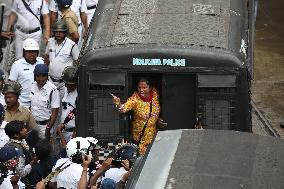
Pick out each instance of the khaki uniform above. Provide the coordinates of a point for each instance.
(71, 21)
(22, 114)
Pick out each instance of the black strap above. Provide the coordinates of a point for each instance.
(50, 98)
(144, 128)
(29, 9)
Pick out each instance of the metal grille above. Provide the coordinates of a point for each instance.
(104, 118)
(216, 108)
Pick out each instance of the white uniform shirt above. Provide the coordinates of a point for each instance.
(3, 137)
(42, 102)
(23, 72)
(26, 19)
(69, 99)
(77, 6)
(2, 100)
(90, 3)
(69, 178)
(6, 184)
(61, 56)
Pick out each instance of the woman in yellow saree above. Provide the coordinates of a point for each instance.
(146, 109)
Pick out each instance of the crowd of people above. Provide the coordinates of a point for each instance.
(38, 102)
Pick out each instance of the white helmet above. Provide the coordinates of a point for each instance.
(80, 146)
(30, 45)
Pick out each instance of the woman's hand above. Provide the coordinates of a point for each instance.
(116, 100)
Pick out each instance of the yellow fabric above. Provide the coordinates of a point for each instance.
(141, 112)
(71, 21)
(21, 114)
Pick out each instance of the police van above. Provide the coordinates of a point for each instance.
(198, 54)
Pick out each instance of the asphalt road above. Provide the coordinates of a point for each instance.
(268, 84)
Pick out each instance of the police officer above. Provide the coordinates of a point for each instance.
(45, 101)
(23, 69)
(60, 53)
(15, 111)
(79, 7)
(70, 18)
(2, 80)
(91, 8)
(68, 107)
(27, 13)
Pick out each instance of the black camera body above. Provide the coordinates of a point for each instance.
(116, 162)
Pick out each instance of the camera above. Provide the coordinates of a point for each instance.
(116, 162)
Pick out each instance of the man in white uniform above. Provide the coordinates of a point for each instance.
(79, 7)
(27, 13)
(45, 101)
(60, 53)
(23, 70)
(91, 9)
(68, 106)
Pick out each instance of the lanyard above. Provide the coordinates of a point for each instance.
(57, 53)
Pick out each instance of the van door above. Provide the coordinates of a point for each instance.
(178, 108)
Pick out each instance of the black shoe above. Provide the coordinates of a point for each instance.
(282, 125)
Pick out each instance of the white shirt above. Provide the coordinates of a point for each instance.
(61, 56)
(6, 184)
(77, 6)
(69, 99)
(90, 3)
(115, 174)
(23, 72)
(2, 100)
(69, 178)
(42, 102)
(26, 19)
(3, 137)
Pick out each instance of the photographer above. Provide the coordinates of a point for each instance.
(111, 175)
(67, 171)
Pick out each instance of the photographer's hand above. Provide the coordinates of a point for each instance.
(105, 166)
(125, 164)
(107, 163)
(86, 161)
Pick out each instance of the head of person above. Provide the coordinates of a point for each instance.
(9, 156)
(63, 4)
(59, 30)
(16, 130)
(42, 149)
(11, 91)
(144, 87)
(70, 78)
(41, 74)
(108, 183)
(2, 79)
(79, 146)
(30, 50)
(127, 152)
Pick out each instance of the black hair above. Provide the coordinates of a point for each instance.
(146, 80)
(42, 149)
(14, 127)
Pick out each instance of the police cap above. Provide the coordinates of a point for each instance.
(69, 75)
(12, 87)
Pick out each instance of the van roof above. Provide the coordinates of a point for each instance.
(165, 22)
(186, 24)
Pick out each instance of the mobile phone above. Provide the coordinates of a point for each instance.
(112, 95)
